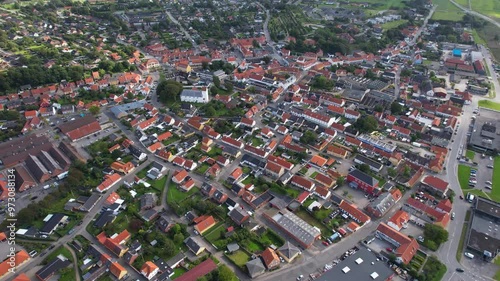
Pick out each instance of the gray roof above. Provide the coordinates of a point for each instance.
(255, 267)
(122, 109)
(362, 265)
(192, 93)
(300, 229)
(233, 247)
(193, 244)
(364, 177)
(289, 250)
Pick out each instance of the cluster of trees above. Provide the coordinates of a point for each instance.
(434, 236)
(216, 109)
(169, 91)
(323, 83)
(218, 65)
(309, 137)
(396, 108)
(37, 75)
(366, 124)
(15, 126)
(433, 270)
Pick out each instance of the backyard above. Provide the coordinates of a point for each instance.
(216, 232)
(239, 258)
(303, 214)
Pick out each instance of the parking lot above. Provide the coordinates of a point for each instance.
(483, 172)
(355, 196)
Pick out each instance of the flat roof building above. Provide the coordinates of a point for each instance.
(483, 235)
(485, 135)
(364, 265)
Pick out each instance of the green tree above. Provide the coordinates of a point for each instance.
(364, 168)
(216, 81)
(309, 137)
(396, 108)
(178, 238)
(340, 181)
(229, 86)
(367, 124)
(169, 91)
(94, 110)
(210, 111)
(391, 172)
(435, 233)
(226, 274)
(378, 108)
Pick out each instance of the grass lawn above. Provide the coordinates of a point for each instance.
(313, 175)
(59, 251)
(393, 24)
(178, 271)
(253, 247)
(303, 214)
(496, 180)
(240, 258)
(170, 140)
(464, 3)
(257, 141)
(463, 176)
(462, 237)
(274, 238)
(489, 104)
(176, 195)
(202, 168)
(215, 233)
(142, 174)
(67, 274)
(478, 39)
(159, 184)
(446, 11)
(490, 8)
(470, 154)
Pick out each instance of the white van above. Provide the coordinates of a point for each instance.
(469, 255)
(46, 186)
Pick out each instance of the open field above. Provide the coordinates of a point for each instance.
(489, 8)
(393, 24)
(489, 104)
(488, 33)
(496, 179)
(384, 5)
(446, 11)
(463, 176)
(464, 3)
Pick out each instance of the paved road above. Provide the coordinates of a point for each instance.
(474, 13)
(182, 29)
(489, 64)
(447, 252)
(80, 230)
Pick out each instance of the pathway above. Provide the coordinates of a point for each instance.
(75, 262)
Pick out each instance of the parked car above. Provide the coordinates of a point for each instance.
(453, 215)
(469, 255)
(459, 270)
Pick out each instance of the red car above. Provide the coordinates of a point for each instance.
(308, 166)
(389, 250)
(325, 243)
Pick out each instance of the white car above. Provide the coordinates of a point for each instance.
(469, 255)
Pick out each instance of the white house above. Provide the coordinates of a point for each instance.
(195, 95)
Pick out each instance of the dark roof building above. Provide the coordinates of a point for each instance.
(255, 267)
(46, 272)
(482, 235)
(52, 222)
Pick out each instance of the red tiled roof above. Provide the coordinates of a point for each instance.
(198, 271)
(354, 212)
(400, 218)
(436, 183)
(205, 224)
(407, 246)
(302, 182)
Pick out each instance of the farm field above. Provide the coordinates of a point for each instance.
(446, 11)
(489, 8)
(384, 5)
(286, 22)
(488, 33)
